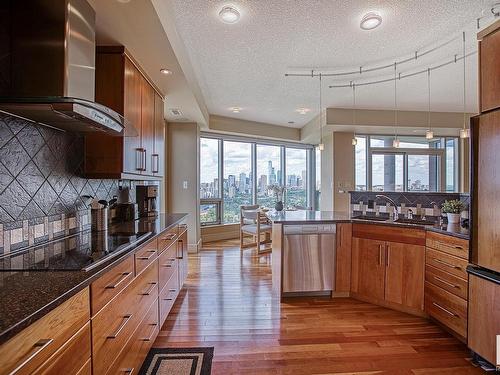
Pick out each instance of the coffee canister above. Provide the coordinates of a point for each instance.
(99, 219)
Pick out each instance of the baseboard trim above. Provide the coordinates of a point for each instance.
(391, 305)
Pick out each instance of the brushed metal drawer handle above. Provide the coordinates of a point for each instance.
(446, 282)
(152, 333)
(151, 288)
(444, 309)
(167, 299)
(459, 247)
(170, 237)
(166, 265)
(122, 278)
(153, 252)
(129, 371)
(172, 290)
(447, 264)
(126, 319)
(39, 346)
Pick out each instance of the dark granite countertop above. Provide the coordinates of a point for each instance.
(324, 217)
(26, 296)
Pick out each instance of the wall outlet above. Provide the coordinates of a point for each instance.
(184, 185)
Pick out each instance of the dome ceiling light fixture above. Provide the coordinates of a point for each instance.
(166, 71)
(303, 111)
(228, 14)
(235, 109)
(370, 21)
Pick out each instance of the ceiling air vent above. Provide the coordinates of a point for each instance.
(175, 112)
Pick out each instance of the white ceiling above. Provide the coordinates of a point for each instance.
(136, 26)
(244, 64)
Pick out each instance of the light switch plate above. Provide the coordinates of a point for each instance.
(184, 185)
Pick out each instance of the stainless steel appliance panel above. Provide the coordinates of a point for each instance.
(309, 258)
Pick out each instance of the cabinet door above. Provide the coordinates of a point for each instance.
(147, 122)
(404, 276)
(368, 267)
(158, 157)
(343, 258)
(132, 111)
(487, 193)
(484, 316)
(489, 57)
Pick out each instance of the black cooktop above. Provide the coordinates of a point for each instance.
(81, 251)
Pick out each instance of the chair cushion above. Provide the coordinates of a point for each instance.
(252, 228)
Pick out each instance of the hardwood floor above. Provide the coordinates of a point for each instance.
(228, 304)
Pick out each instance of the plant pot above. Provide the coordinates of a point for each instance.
(453, 218)
(278, 206)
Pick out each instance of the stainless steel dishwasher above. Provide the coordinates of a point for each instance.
(309, 259)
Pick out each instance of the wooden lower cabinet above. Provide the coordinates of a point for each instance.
(71, 357)
(388, 272)
(484, 317)
(404, 276)
(343, 259)
(26, 352)
(368, 267)
(86, 368)
(113, 325)
(168, 295)
(132, 355)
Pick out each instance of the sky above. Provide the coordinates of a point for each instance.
(418, 166)
(237, 159)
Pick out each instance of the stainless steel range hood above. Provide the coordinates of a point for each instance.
(47, 72)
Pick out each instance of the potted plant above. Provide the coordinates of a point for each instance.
(453, 209)
(277, 191)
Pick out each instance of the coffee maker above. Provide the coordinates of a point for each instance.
(146, 196)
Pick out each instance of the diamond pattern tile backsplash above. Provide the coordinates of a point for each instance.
(41, 183)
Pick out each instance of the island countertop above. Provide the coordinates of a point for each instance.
(299, 217)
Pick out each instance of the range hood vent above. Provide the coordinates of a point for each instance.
(47, 72)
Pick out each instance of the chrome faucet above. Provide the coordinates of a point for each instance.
(395, 214)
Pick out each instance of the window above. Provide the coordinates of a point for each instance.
(237, 184)
(317, 170)
(237, 171)
(268, 173)
(417, 165)
(296, 177)
(210, 210)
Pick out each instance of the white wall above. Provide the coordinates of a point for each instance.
(183, 176)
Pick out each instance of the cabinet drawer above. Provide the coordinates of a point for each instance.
(167, 263)
(145, 256)
(447, 308)
(448, 263)
(388, 233)
(111, 283)
(168, 295)
(113, 325)
(71, 357)
(166, 239)
(453, 284)
(133, 354)
(86, 368)
(34, 345)
(448, 244)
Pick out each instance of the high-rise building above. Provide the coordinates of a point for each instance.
(242, 182)
(262, 183)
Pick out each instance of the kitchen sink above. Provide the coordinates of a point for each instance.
(371, 218)
(414, 221)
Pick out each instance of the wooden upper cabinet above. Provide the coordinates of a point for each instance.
(489, 71)
(122, 86)
(368, 267)
(487, 192)
(158, 156)
(132, 152)
(405, 273)
(147, 125)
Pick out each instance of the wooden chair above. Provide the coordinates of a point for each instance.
(254, 223)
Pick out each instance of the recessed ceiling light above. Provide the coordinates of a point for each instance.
(123, 1)
(228, 14)
(370, 21)
(291, 122)
(302, 111)
(235, 109)
(166, 71)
